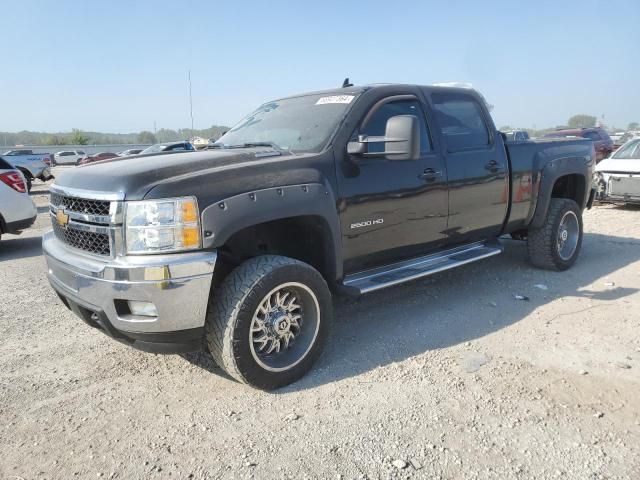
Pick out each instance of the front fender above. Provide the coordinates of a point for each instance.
(228, 216)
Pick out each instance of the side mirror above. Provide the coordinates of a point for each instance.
(401, 140)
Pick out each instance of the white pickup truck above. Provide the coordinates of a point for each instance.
(32, 165)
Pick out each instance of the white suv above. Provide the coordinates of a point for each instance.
(68, 157)
(17, 210)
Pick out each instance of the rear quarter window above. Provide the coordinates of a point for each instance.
(461, 121)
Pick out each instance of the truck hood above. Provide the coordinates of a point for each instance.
(136, 176)
(613, 165)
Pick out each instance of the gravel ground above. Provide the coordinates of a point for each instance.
(449, 377)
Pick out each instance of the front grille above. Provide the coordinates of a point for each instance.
(81, 205)
(91, 242)
(85, 223)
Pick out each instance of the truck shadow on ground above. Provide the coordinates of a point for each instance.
(457, 306)
(14, 247)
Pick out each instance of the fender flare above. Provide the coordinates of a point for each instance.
(26, 172)
(228, 216)
(551, 172)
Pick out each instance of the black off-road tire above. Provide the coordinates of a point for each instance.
(542, 242)
(232, 306)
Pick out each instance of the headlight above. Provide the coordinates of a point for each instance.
(157, 226)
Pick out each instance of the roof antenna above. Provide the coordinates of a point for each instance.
(346, 83)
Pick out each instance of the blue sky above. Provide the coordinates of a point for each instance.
(118, 66)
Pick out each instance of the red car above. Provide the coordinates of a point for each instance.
(97, 157)
(601, 139)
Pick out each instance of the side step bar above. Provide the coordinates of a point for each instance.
(382, 277)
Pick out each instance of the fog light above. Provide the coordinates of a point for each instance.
(144, 309)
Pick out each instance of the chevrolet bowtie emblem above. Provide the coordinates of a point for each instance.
(61, 217)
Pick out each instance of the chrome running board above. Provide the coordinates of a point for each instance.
(388, 275)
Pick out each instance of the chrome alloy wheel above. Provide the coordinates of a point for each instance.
(568, 235)
(284, 327)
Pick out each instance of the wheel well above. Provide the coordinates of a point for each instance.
(305, 238)
(570, 186)
(25, 172)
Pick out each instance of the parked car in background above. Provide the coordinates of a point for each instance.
(516, 135)
(97, 157)
(601, 140)
(68, 157)
(183, 146)
(17, 210)
(618, 177)
(131, 151)
(32, 165)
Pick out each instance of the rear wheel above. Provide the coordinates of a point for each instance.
(556, 244)
(268, 321)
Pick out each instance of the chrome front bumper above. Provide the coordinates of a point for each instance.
(177, 285)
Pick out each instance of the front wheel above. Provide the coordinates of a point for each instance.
(556, 244)
(268, 321)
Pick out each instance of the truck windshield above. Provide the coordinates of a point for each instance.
(299, 124)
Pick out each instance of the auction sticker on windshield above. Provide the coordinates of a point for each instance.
(335, 99)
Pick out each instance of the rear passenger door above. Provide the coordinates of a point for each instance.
(476, 166)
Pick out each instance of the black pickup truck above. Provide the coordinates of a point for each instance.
(238, 249)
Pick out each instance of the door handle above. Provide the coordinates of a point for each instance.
(429, 174)
(492, 166)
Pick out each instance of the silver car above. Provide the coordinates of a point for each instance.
(17, 210)
(618, 177)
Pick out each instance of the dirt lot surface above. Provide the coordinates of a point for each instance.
(449, 377)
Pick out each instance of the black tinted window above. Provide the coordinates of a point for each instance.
(595, 136)
(461, 121)
(377, 124)
(4, 165)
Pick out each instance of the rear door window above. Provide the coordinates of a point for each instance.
(595, 136)
(461, 121)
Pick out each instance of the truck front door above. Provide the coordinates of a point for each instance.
(391, 209)
(477, 167)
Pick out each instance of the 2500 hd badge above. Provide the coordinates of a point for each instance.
(367, 223)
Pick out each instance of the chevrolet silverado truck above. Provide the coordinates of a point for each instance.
(32, 165)
(238, 249)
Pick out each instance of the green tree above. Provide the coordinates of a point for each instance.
(54, 140)
(633, 126)
(582, 121)
(78, 138)
(147, 137)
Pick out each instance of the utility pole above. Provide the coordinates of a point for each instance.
(190, 103)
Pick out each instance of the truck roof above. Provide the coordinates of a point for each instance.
(356, 89)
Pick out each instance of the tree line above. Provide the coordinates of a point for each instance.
(79, 137)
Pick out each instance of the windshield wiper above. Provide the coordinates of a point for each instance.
(255, 144)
